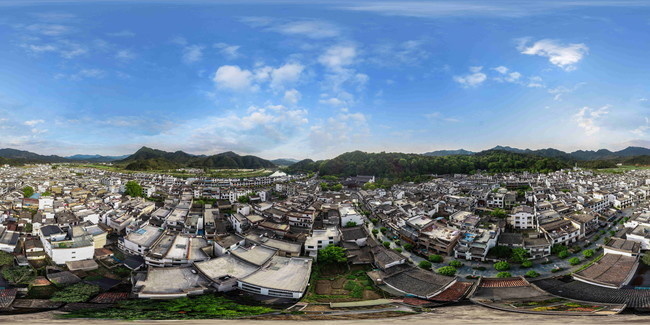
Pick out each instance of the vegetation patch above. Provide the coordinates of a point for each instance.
(199, 307)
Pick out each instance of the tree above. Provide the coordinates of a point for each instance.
(574, 261)
(456, 263)
(133, 189)
(374, 221)
(398, 249)
(526, 264)
(501, 251)
(504, 275)
(556, 249)
(499, 213)
(383, 230)
(425, 265)
(244, 199)
(408, 247)
(447, 270)
(532, 274)
(19, 274)
(519, 255)
(332, 254)
(375, 232)
(646, 258)
(28, 191)
(588, 253)
(79, 292)
(350, 224)
(435, 258)
(563, 254)
(386, 244)
(502, 266)
(6, 259)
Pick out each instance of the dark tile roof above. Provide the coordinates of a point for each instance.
(353, 233)
(586, 292)
(418, 282)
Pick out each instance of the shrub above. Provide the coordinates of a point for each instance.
(425, 265)
(504, 275)
(383, 230)
(555, 270)
(479, 268)
(532, 274)
(6, 258)
(502, 266)
(79, 292)
(397, 249)
(447, 270)
(408, 247)
(435, 258)
(646, 258)
(456, 263)
(526, 264)
(374, 221)
(386, 244)
(563, 254)
(588, 253)
(574, 261)
(332, 254)
(375, 232)
(398, 243)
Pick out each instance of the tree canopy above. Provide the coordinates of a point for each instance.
(6, 258)
(28, 191)
(332, 254)
(133, 189)
(18, 274)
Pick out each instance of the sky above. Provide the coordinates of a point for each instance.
(292, 79)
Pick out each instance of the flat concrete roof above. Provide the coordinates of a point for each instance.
(145, 236)
(282, 273)
(257, 255)
(226, 265)
(167, 280)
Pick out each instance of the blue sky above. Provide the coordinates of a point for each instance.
(288, 79)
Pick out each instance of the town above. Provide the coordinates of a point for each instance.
(85, 240)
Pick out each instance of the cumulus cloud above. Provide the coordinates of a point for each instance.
(339, 131)
(564, 56)
(589, 118)
(506, 76)
(65, 48)
(233, 77)
(125, 55)
(292, 96)
(259, 128)
(338, 56)
(475, 78)
(48, 29)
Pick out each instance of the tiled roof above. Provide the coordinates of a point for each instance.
(503, 283)
(454, 293)
(110, 297)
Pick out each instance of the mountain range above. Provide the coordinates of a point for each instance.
(554, 153)
(154, 159)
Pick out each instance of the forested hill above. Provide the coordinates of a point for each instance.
(401, 165)
(153, 159)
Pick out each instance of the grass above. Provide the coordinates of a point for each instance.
(199, 307)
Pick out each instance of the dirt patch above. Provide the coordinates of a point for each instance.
(312, 307)
(370, 295)
(323, 287)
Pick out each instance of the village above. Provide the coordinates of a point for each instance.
(568, 242)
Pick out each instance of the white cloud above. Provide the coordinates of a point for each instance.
(66, 49)
(192, 53)
(410, 52)
(48, 29)
(501, 69)
(642, 130)
(559, 91)
(227, 50)
(314, 29)
(292, 96)
(535, 82)
(233, 77)
(589, 119)
(437, 116)
(339, 132)
(125, 55)
(83, 74)
(33, 122)
(563, 56)
(472, 80)
(338, 56)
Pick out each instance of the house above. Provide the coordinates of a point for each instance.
(282, 277)
(522, 217)
(62, 247)
(321, 238)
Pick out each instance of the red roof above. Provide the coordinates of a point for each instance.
(454, 293)
(503, 283)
